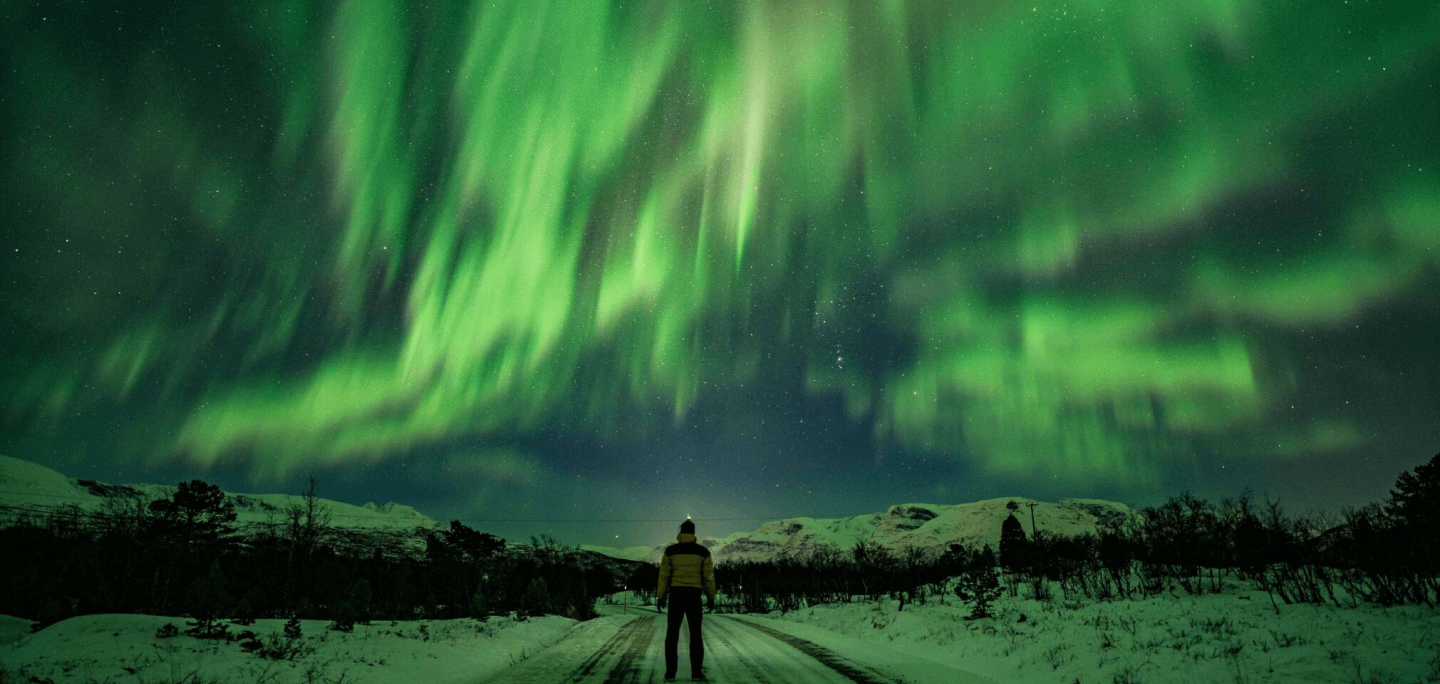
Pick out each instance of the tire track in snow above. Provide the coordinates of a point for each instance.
(723, 637)
(827, 657)
(646, 624)
(633, 654)
(627, 670)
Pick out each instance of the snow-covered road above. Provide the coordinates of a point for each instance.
(739, 651)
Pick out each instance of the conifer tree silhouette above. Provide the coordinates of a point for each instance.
(1013, 544)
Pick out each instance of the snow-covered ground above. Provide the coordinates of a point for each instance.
(13, 629)
(738, 650)
(1234, 637)
(125, 649)
(1229, 638)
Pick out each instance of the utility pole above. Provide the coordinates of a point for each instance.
(1032, 506)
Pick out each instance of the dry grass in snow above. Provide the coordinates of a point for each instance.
(1234, 637)
(125, 648)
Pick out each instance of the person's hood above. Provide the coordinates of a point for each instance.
(684, 538)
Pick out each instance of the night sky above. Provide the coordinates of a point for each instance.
(620, 263)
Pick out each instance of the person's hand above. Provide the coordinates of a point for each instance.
(660, 603)
(710, 603)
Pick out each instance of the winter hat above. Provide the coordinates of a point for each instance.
(687, 527)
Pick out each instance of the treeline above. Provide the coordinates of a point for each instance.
(1383, 553)
(1372, 554)
(832, 576)
(185, 555)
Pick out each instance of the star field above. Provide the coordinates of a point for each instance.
(579, 261)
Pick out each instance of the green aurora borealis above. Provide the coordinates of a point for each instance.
(815, 257)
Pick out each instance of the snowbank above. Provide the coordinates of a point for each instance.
(13, 629)
(1230, 637)
(125, 648)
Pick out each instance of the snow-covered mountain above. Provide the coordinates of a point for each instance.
(26, 486)
(928, 527)
(31, 487)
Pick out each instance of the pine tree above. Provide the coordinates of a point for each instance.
(979, 584)
(478, 547)
(360, 597)
(1014, 546)
(292, 629)
(344, 617)
(207, 598)
(479, 606)
(288, 647)
(198, 513)
(1415, 506)
(537, 597)
(191, 527)
(1416, 497)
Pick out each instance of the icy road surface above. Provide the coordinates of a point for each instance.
(737, 650)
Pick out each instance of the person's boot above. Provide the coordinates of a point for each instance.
(668, 678)
(699, 677)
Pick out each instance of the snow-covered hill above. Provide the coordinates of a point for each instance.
(29, 487)
(392, 529)
(929, 527)
(26, 486)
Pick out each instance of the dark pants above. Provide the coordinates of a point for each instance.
(684, 604)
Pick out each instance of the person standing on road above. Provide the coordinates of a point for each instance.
(685, 573)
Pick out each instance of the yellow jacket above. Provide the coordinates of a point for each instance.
(686, 564)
